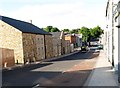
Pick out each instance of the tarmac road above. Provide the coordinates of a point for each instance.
(66, 71)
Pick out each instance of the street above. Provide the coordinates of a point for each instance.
(71, 70)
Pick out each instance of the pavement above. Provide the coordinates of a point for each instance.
(72, 70)
(99, 71)
(103, 73)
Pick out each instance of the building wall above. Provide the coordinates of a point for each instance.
(7, 59)
(109, 32)
(40, 47)
(62, 37)
(72, 39)
(67, 46)
(116, 43)
(48, 46)
(68, 38)
(112, 33)
(0, 58)
(56, 46)
(79, 40)
(29, 47)
(11, 38)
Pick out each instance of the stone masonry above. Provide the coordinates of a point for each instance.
(11, 38)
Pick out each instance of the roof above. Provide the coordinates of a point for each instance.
(24, 27)
(70, 35)
(56, 34)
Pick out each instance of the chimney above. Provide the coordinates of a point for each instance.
(31, 21)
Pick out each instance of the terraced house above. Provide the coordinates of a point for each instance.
(22, 42)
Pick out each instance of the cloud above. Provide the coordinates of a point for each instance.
(68, 15)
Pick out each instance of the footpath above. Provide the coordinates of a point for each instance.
(103, 74)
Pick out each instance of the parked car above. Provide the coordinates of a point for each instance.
(84, 48)
(100, 46)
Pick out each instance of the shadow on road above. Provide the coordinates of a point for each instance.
(24, 69)
(32, 75)
(46, 78)
(78, 56)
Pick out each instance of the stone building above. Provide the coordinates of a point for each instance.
(48, 46)
(25, 39)
(67, 46)
(57, 44)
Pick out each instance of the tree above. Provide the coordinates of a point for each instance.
(96, 32)
(48, 28)
(66, 30)
(85, 34)
(55, 29)
(74, 31)
(51, 29)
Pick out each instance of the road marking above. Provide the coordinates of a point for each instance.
(36, 86)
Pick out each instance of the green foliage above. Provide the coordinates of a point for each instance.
(48, 28)
(96, 32)
(88, 34)
(55, 29)
(74, 31)
(51, 29)
(66, 30)
(85, 34)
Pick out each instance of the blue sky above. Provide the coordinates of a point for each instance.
(59, 13)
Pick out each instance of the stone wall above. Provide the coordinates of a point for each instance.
(48, 46)
(67, 46)
(56, 46)
(62, 43)
(40, 47)
(11, 38)
(29, 47)
(7, 57)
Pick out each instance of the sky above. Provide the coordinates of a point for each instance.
(62, 14)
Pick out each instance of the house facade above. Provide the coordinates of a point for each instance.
(11, 39)
(112, 34)
(26, 40)
(62, 37)
(67, 46)
(72, 39)
(57, 43)
(48, 46)
(40, 47)
(79, 40)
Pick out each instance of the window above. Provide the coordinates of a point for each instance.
(38, 51)
(38, 39)
(41, 40)
(26, 54)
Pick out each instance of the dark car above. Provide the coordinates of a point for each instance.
(84, 49)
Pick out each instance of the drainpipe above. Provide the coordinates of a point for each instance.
(45, 46)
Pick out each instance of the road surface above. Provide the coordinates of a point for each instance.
(59, 72)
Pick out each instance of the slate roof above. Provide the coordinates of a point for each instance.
(56, 34)
(24, 27)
